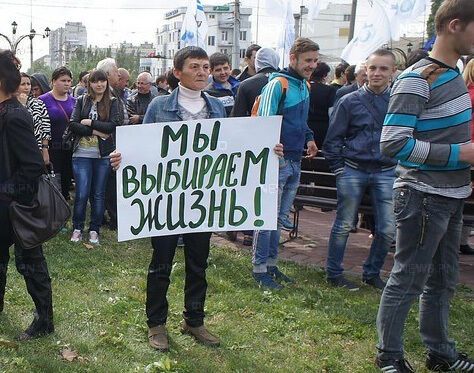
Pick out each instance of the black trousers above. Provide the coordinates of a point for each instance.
(111, 199)
(196, 253)
(62, 164)
(31, 264)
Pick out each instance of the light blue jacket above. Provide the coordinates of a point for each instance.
(295, 132)
(165, 108)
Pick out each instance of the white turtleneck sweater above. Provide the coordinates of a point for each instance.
(191, 100)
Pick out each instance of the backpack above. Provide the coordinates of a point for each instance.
(284, 86)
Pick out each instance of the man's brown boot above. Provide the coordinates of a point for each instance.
(158, 338)
(201, 334)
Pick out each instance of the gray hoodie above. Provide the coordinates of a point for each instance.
(41, 80)
(266, 57)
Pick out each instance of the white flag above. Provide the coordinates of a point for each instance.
(373, 34)
(401, 12)
(194, 28)
(273, 8)
(287, 35)
(315, 7)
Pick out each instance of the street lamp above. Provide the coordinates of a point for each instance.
(14, 41)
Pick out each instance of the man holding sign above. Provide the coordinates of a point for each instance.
(194, 180)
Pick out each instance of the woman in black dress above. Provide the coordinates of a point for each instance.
(20, 184)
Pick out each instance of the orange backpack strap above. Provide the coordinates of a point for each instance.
(284, 87)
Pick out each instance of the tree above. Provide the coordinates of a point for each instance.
(40, 67)
(435, 4)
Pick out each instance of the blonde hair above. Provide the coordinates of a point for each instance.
(468, 73)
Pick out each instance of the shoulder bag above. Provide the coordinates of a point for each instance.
(41, 220)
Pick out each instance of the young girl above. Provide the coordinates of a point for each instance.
(93, 120)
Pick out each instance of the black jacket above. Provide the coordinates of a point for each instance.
(321, 99)
(26, 162)
(248, 91)
(81, 111)
(138, 103)
(162, 92)
(244, 75)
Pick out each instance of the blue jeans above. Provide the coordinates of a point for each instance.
(90, 176)
(351, 185)
(426, 262)
(265, 243)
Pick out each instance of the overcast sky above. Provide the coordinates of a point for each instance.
(111, 22)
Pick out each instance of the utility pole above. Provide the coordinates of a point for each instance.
(297, 18)
(258, 13)
(236, 46)
(302, 11)
(353, 19)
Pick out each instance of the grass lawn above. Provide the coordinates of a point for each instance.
(99, 297)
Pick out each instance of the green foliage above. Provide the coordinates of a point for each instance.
(430, 26)
(99, 297)
(40, 67)
(86, 60)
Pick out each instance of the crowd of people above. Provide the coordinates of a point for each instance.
(403, 137)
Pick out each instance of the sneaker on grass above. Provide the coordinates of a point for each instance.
(375, 282)
(279, 275)
(94, 237)
(462, 364)
(265, 280)
(76, 235)
(394, 366)
(342, 282)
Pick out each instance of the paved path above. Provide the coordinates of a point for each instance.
(310, 248)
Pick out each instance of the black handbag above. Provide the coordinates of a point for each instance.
(36, 223)
(68, 139)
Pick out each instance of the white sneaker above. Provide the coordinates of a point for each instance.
(76, 235)
(94, 237)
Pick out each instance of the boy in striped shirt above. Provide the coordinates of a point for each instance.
(427, 128)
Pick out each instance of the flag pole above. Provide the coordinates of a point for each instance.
(353, 18)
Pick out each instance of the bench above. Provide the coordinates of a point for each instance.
(318, 189)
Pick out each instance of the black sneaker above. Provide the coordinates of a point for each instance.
(265, 280)
(279, 275)
(342, 282)
(375, 282)
(394, 366)
(462, 364)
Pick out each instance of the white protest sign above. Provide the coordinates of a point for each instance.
(197, 176)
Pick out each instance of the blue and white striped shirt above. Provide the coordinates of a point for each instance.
(428, 119)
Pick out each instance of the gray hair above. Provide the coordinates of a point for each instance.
(147, 74)
(359, 67)
(106, 65)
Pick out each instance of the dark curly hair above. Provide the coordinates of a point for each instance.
(10, 77)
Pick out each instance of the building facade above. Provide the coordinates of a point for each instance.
(330, 29)
(220, 20)
(64, 41)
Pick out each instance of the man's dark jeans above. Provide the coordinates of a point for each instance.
(426, 263)
(196, 253)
